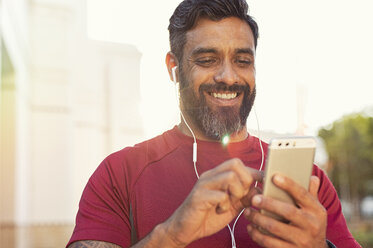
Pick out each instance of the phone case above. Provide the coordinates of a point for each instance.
(292, 157)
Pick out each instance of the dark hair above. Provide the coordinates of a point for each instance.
(189, 11)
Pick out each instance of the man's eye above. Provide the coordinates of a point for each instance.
(206, 61)
(244, 61)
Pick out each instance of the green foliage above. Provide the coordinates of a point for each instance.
(364, 238)
(349, 144)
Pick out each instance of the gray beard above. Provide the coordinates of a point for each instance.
(215, 124)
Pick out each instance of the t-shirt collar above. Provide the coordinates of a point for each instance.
(179, 138)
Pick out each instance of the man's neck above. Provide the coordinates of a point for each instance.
(235, 137)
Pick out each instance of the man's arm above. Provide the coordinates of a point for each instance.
(156, 238)
(92, 244)
(217, 197)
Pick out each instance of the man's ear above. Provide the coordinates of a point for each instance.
(171, 62)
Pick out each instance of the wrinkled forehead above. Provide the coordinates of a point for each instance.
(229, 33)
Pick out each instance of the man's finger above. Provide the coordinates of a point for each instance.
(281, 209)
(265, 240)
(314, 185)
(227, 182)
(272, 226)
(213, 199)
(246, 200)
(301, 195)
(257, 175)
(245, 174)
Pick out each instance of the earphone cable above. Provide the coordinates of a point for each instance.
(231, 230)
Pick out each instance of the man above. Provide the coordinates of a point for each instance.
(153, 195)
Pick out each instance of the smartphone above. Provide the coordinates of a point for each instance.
(292, 157)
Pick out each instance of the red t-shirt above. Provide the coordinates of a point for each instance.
(154, 177)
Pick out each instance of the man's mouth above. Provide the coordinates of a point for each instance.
(224, 95)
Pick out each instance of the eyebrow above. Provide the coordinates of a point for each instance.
(202, 50)
(245, 50)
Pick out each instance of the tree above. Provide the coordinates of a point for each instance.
(349, 144)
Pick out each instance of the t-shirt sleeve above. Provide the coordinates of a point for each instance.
(103, 213)
(337, 231)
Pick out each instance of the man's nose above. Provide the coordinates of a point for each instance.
(226, 74)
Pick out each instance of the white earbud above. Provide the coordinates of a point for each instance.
(173, 70)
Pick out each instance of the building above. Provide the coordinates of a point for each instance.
(66, 102)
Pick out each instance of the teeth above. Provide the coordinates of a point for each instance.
(225, 96)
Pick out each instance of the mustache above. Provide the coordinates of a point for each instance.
(225, 87)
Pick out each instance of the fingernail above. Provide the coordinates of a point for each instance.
(257, 200)
(249, 228)
(279, 179)
(247, 211)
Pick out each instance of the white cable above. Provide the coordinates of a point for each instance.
(182, 116)
(260, 169)
(194, 146)
(232, 236)
(231, 230)
(234, 224)
(195, 157)
(191, 131)
(260, 143)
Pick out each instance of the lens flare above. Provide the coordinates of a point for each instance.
(225, 140)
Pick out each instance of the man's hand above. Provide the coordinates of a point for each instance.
(217, 197)
(307, 227)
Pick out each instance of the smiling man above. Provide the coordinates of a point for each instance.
(217, 77)
(157, 194)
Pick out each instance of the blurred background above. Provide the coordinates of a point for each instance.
(81, 79)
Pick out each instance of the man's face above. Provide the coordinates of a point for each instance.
(217, 76)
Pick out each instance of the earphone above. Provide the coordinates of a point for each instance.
(177, 88)
(173, 71)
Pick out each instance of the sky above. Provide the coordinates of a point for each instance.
(320, 50)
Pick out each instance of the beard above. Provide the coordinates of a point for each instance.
(214, 121)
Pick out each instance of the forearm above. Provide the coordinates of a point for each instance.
(156, 238)
(92, 244)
